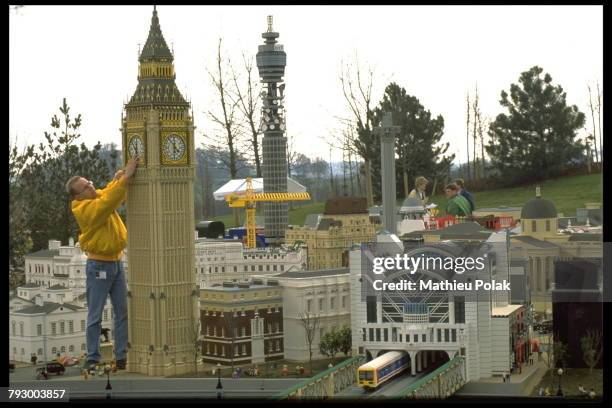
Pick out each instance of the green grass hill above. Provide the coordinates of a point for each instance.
(568, 193)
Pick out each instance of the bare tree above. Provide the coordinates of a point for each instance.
(483, 122)
(588, 151)
(310, 322)
(358, 94)
(196, 337)
(292, 156)
(467, 134)
(345, 141)
(332, 184)
(556, 354)
(248, 104)
(599, 120)
(476, 111)
(594, 136)
(592, 348)
(229, 140)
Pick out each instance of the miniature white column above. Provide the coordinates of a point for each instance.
(412, 363)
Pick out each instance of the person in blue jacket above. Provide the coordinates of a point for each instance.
(468, 196)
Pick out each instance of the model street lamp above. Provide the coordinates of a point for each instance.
(219, 385)
(559, 391)
(107, 370)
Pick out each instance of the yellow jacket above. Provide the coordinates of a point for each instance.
(103, 234)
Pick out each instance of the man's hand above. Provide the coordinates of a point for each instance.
(119, 174)
(131, 167)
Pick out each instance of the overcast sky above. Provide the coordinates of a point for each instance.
(90, 56)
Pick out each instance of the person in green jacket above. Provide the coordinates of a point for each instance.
(457, 204)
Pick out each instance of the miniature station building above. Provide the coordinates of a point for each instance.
(433, 327)
(242, 322)
(345, 222)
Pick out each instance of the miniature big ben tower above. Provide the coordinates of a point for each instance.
(162, 300)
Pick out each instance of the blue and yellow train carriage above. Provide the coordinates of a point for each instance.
(381, 369)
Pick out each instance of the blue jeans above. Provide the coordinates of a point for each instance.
(104, 278)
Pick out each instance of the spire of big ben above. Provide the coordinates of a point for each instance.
(155, 48)
(156, 76)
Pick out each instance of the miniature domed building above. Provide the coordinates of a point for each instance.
(539, 217)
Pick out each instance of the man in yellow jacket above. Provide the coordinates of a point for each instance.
(103, 238)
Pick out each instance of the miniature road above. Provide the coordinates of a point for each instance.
(94, 387)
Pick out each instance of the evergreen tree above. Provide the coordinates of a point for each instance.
(40, 177)
(418, 146)
(536, 139)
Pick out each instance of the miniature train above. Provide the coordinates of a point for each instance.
(381, 369)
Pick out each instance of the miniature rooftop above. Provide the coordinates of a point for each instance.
(346, 205)
(43, 253)
(237, 287)
(313, 274)
(463, 230)
(48, 307)
(504, 311)
(238, 186)
(29, 285)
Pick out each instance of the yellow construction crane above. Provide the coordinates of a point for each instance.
(249, 200)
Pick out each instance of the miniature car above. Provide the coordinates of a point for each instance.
(545, 327)
(53, 367)
(42, 373)
(69, 361)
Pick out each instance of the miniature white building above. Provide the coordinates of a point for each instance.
(59, 265)
(324, 294)
(216, 261)
(56, 308)
(222, 260)
(45, 329)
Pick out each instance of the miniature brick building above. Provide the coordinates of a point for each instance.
(242, 322)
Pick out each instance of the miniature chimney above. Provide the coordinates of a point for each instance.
(71, 242)
(38, 300)
(54, 244)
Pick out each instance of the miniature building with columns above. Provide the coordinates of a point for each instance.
(344, 222)
(542, 243)
(223, 260)
(324, 295)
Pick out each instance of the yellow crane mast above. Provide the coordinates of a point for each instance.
(249, 200)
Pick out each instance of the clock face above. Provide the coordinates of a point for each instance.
(136, 147)
(174, 148)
